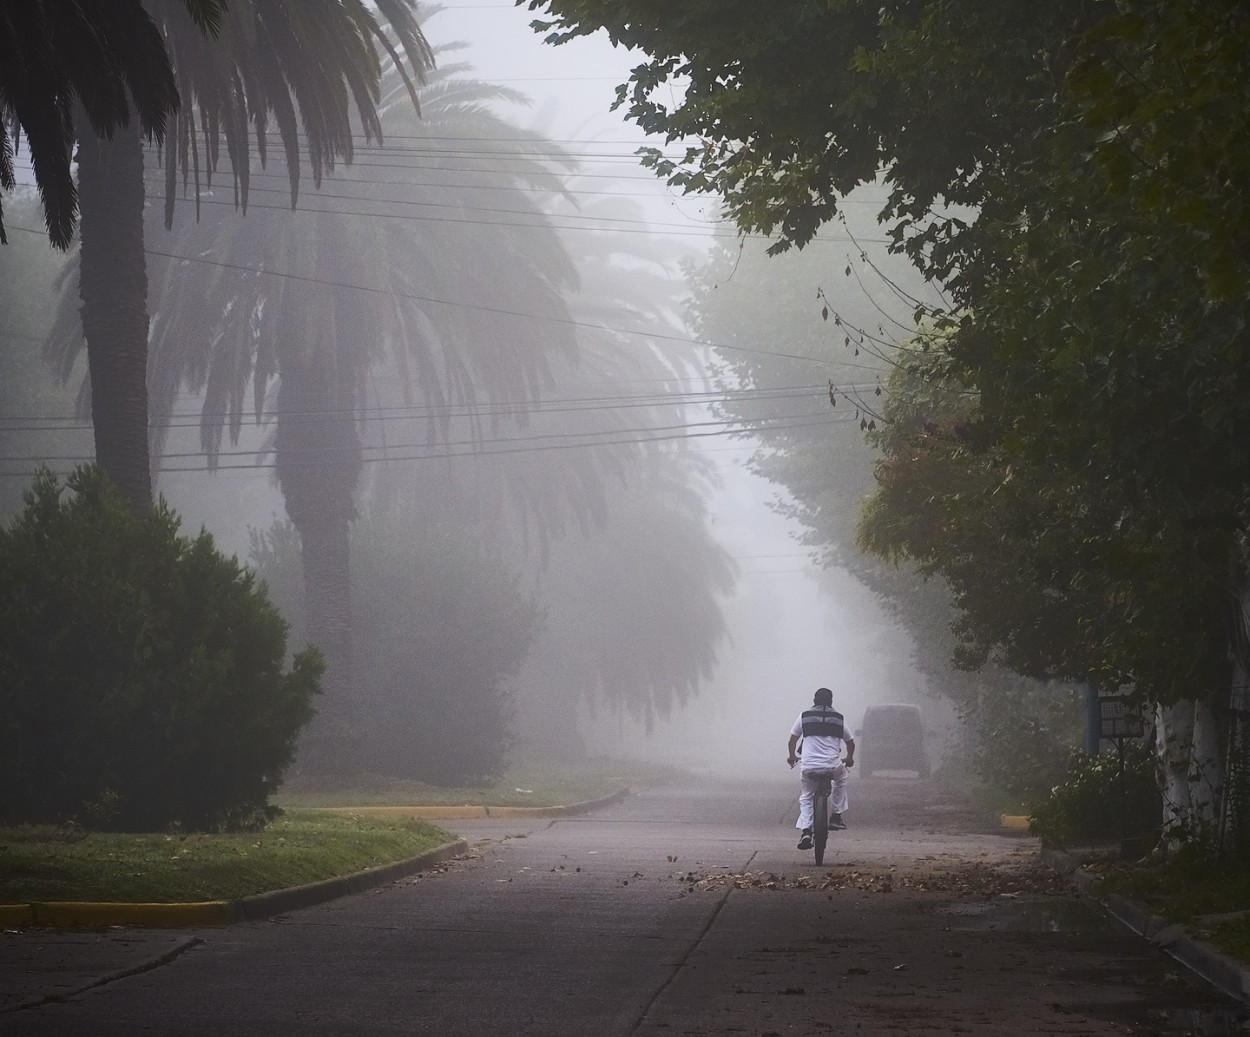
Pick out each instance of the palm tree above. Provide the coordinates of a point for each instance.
(329, 301)
(634, 603)
(27, 387)
(611, 530)
(634, 611)
(58, 54)
(343, 312)
(274, 59)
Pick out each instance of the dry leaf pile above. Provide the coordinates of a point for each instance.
(966, 879)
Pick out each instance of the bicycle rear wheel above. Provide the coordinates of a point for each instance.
(820, 824)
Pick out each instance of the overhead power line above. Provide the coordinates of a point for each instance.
(538, 220)
(588, 438)
(424, 412)
(642, 333)
(543, 221)
(654, 335)
(431, 454)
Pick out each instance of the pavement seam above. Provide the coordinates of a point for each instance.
(1205, 961)
(680, 964)
(113, 977)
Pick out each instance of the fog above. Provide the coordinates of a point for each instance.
(795, 628)
(677, 615)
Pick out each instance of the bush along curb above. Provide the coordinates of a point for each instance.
(1211, 965)
(68, 914)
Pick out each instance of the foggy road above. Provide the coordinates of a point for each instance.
(656, 916)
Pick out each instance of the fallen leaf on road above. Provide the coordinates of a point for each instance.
(960, 878)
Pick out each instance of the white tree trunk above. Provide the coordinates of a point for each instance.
(1173, 742)
(1188, 753)
(1205, 767)
(1190, 749)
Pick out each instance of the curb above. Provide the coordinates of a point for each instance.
(471, 812)
(1226, 974)
(70, 914)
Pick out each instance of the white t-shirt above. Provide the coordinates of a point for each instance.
(825, 734)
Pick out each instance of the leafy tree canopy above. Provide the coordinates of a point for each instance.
(1094, 259)
(792, 111)
(1047, 577)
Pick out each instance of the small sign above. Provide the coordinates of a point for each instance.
(1119, 719)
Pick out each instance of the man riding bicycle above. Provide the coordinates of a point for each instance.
(828, 748)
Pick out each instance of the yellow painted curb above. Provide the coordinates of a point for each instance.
(1018, 821)
(470, 811)
(419, 813)
(14, 915)
(88, 915)
(526, 811)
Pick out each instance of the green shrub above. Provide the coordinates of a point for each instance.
(1085, 806)
(141, 672)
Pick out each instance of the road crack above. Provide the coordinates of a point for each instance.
(675, 971)
(113, 977)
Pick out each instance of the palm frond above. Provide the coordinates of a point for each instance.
(303, 69)
(108, 58)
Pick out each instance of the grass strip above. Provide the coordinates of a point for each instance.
(40, 863)
(1211, 900)
(1233, 939)
(543, 784)
(1180, 890)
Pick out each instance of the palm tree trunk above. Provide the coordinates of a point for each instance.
(327, 599)
(113, 286)
(318, 463)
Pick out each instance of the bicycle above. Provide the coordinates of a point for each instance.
(820, 812)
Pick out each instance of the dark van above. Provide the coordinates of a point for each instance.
(891, 738)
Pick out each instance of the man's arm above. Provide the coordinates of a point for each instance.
(794, 744)
(850, 752)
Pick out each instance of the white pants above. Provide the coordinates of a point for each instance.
(837, 794)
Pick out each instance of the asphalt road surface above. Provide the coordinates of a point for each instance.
(682, 910)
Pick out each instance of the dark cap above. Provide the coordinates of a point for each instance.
(824, 697)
